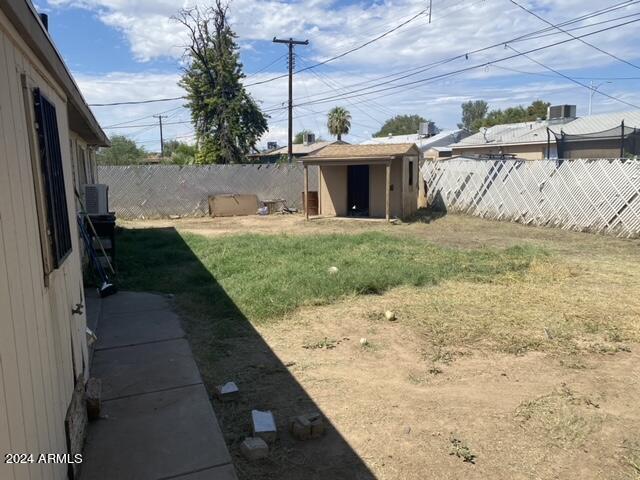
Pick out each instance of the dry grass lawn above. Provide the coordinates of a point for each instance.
(526, 375)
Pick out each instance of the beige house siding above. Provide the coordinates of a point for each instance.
(403, 199)
(333, 190)
(42, 345)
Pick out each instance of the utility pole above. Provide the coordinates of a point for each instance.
(430, 5)
(160, 117)
(290, 42)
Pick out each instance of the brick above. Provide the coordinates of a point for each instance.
(254, 448)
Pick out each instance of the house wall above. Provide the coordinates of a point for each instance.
(528, 152)
(333, 190)
(42, 345)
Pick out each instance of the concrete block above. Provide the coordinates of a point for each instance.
(263, 425)
(227, 392)
(305, 427)
(254, 448)
(300, 427)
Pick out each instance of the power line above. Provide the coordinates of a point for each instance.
(528, 36)
(573, 36)
(578, 82)
(135, 102)
(331, 59)
(422, 68)
(146, 125)
(539, 74)
(354, 93)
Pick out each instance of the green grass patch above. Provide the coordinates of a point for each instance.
(262, 277)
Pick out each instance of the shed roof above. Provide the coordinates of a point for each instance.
(366, 151)
(25, 19)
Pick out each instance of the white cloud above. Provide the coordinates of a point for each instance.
(456, 28)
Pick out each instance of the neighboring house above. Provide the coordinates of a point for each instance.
(432, 147)
(299, 150)
(367, 180)
(594, 136)
(47, 133)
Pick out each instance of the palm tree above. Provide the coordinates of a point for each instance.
(338, 122)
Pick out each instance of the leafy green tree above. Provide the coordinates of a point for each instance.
(299, 137)
(400, 125)
(123, 151)
(473, 112)
(537, 109)
(227, 120)
(338, 122)
(180, 153)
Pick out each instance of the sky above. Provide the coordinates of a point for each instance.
(132, 50)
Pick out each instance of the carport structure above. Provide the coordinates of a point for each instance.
(377, 181)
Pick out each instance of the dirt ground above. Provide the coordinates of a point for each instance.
(450, 389)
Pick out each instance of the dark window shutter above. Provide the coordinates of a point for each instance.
(53, 175)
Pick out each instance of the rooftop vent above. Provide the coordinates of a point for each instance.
(561, 113)
(309, 138)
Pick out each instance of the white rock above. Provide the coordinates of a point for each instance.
(363, 341)
(389, 315)
(333, 270)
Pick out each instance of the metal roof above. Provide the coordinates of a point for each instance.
(440, 139)
(536, 132)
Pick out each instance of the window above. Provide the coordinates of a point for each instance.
(48, 144)
(410, 173)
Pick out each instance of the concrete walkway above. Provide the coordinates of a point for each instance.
(158, 422)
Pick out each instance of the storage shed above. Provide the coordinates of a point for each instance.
(378, 181)
(47, 137)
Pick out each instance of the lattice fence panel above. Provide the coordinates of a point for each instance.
(156, 191)
(595, 195)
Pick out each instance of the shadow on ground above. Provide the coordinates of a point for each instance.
(228, 348)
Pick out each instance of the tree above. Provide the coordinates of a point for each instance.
(299, 137)
(400, 125)
(227, 121)
(180, 153)
(473, 112)
(123, 151)
(338, 122)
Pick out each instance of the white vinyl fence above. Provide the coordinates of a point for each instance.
(594, 195)
(157, 191)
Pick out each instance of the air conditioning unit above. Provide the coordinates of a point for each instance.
(272, 145)
(96, 199)
(561, 112)
(428, 128)
(309, 138)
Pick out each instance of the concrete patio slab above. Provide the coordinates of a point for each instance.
(224, 472)
(145, 368)
(154, 436)
(139, 327)
(132, 302)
